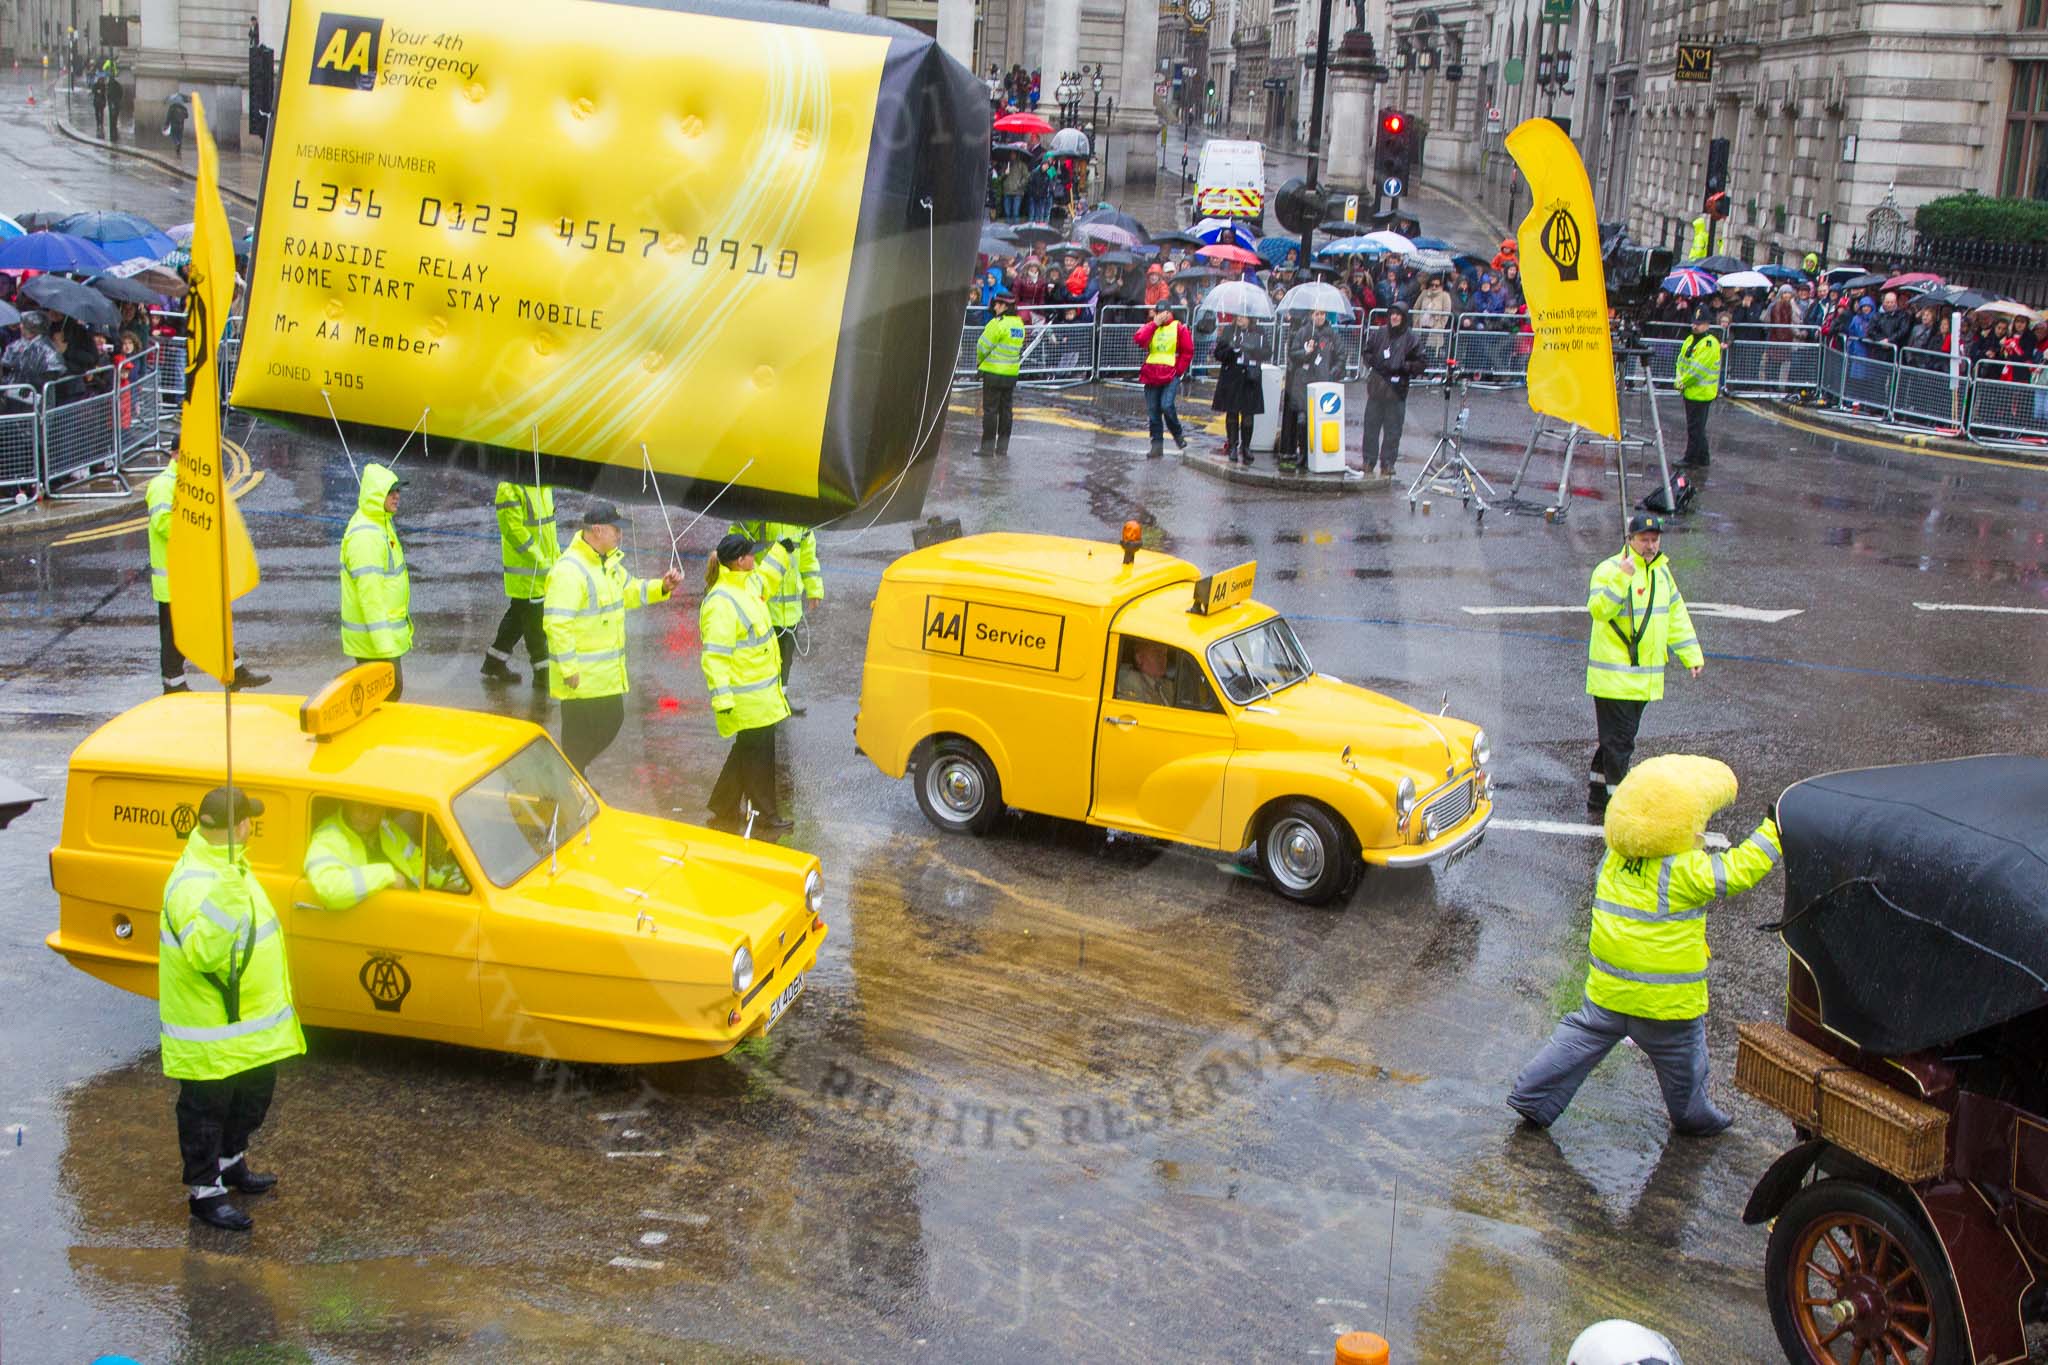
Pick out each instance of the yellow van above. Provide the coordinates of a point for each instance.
(1111, 684)
(549, 923)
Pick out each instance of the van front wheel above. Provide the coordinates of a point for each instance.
(1306, 854)
(957, 787)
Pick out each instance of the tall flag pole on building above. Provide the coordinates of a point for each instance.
(1571, 366)
(211, 561)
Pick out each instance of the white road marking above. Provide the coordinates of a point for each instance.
(622, 1114)
(1579, 831)
(1345, 1303)
(695, 1220)
(653, 1239)
(635, 1263)
(616, 1155)
(1725, 610)
(1972, 606)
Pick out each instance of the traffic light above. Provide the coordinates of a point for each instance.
(1299, 208)
(1717, 167)
(1393, 150)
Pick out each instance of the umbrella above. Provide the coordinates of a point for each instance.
(1745, 279)
(1717, 265)
(1022, 123)
(2007, 306)
(1010, 149)
(1224, 252)
(1238, 299)
(1118, 258)
(74, 300)
(1003, 230)
(1103, 213)
(996, 246)
(1432, 262)
(1391, 241)
(1068, 142)
(1860, 282)
(1274, 250)
(52, 251)
(41, 220)
(1316, 297)
(1214, 230)
(120, 235)
(1353, 246)
(1198, 275)
(122, 290)
(1913, 277)
(1783, 274)
(1835, 274)
(1035, 232)
(1957, 296)
(10, 228)
(1432, 244)
(1688, 284)
(1339, 227)
(9, 316)
(1177, 237)
(159, 280)
(1108, 233)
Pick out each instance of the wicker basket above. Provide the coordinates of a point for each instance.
(1861, 1116)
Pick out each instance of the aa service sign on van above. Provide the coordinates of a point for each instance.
(730, 232)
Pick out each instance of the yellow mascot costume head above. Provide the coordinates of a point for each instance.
(1663, 805)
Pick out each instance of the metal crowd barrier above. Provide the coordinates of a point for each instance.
(1118, 355)
(92, 422)
(1765, 359)
(21, 447)
(2011, 414)
(1930, 388)
(1058, 355)
(1492, 350)
(171, 373)
(1856, 378)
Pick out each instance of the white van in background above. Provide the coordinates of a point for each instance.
(1232, 182)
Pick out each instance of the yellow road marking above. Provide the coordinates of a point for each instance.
(1052, 417)
(1906, 447)
(241, 478)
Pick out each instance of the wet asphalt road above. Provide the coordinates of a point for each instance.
(1049, 1095)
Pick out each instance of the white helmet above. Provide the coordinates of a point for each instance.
(1619, 1342)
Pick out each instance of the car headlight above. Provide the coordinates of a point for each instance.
(742, 970)
(814, 892)
(1482, 751)
(1404, 799)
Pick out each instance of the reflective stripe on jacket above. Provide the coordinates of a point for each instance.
(162, 489)
(1638, 619)
(340, 868)
(1000, 348)
(224, 991)
(1699, 366)
(788, 568)
(742, 666)
(376, 590)
(1649, 940)
(528, 544)
(585, 619)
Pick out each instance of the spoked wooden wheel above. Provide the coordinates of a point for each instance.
(1854, 1279)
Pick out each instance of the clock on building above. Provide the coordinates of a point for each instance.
(1198, 11)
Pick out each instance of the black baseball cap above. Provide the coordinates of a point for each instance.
(734, 546)
(601, 513)
(1644, 521)
(226, 807)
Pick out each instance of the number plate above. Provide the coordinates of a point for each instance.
(1464, 852)
(783, 1001)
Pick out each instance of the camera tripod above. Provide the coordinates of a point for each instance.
(1447, 472)
(1631, 374)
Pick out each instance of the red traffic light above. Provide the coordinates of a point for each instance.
(1393, 123)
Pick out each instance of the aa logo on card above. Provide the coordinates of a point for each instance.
(345, 51)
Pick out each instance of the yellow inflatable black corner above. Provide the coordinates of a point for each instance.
(740, 235)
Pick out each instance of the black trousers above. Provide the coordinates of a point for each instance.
(1237, 429)
(216, 1119)
(1293, 429)
(1618, 721)
(521, 621)
(1379, 441)
(749, 771)
(998, 394)
(397, 675)
(589, 725)
(167, 650)
(785, 645)
(1696, 429)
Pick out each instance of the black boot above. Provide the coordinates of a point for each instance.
(240, 1177)
(176, 689)
(986, 447)
(216, 1211)
(495, 670)
(246, 676)
(1157, 450)
(1002, 445)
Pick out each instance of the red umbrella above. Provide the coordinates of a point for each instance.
(1223, 251)
(1022, 123)
(1913, 277)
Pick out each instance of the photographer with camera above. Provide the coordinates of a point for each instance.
(1393, 357)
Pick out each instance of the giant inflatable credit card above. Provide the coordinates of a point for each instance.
(737, 234)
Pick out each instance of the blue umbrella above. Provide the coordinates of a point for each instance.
(52, 251)
(1352, 246)
(10, 228)
(1430, 244)
(1273, 250)
(1783, 274)
(1470, 266)
(1224, 232)
(123, 236)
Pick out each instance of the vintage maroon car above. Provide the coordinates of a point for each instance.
(1911, 1220)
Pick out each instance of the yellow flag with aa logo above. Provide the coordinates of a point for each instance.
(1571, 365)
(210, 559)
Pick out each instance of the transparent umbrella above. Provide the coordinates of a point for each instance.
(1391, 241)
(1316, 297)
(1238, 300)
(1069, 142)
(1433, 262)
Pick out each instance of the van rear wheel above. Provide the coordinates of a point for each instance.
(957, 787)
(1306, 854)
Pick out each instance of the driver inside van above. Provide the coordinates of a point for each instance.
(1154, 674)
(344, 859)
